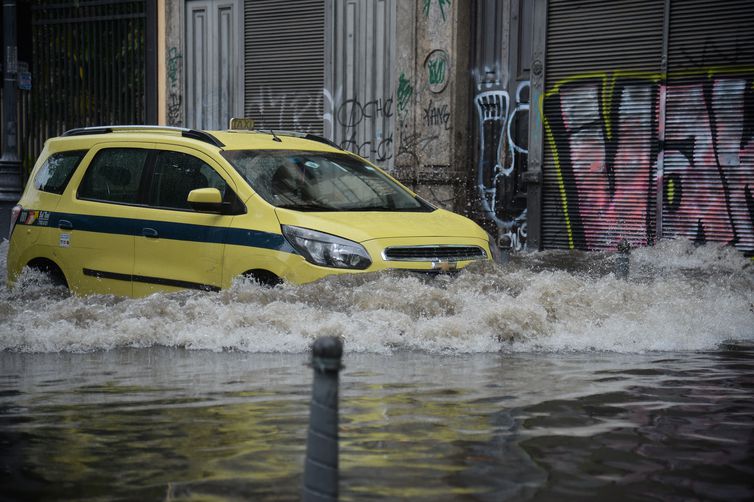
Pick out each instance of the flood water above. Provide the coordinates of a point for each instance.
(545, 379)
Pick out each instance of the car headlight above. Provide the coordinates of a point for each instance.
(327, 250)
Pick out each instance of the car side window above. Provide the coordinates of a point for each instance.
(57, 170)
(175, 174)
(114, 176)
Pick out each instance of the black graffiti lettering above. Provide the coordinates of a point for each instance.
(175, 109)
(415, 143)
(381, 150)
(714, 53)
(351, 113)
(437, 115)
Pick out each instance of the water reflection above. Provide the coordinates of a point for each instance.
(548, 379)
(194, 425)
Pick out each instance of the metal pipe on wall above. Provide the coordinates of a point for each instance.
(10, 164)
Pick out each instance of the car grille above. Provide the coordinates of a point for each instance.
(433, 253)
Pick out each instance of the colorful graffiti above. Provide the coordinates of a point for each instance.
(641, 159)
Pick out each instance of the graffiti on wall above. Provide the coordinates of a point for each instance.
(629, 149)
(355, 122)
(441, 5)
(175, 97)
(351, 114)
(403, 125)
(498, 170)
(275, 108)
(437, 66)
(404, 93)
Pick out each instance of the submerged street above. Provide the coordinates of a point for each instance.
(545, 379)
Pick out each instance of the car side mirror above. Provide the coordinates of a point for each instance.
(206, 200)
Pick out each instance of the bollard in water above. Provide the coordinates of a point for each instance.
(622, 260)
(321, 465)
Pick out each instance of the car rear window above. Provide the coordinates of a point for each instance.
(114, 176)
(57, 170)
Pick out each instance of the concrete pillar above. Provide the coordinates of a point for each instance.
(432, 147)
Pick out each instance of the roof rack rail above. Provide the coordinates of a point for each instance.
(305, 135)
(186, 133)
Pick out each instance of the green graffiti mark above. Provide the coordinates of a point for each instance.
(404, 92)
(174, 58)
(437, 71)
(441, 3)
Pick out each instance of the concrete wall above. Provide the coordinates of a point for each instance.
(433, 127)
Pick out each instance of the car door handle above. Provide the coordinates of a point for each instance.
(65, 225)
(150, 233)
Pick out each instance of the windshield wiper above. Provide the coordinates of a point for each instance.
(307, 207)
(419, 209)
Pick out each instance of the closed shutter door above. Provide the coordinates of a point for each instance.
(709, 156)
(601, 93)
(284, 64)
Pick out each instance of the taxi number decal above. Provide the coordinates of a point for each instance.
(65, 240)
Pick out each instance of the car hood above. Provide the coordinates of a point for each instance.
(362, 226)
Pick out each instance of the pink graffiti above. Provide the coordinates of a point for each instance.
(691, 141)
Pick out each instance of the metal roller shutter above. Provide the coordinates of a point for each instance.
(600, 122)
(709, 155)
(284, 63)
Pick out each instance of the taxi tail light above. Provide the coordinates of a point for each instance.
(14, 214)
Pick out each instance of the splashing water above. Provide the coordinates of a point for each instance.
(679, 298)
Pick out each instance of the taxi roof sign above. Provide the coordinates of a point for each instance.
(239, 123)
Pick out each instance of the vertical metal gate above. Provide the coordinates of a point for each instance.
(359, 102)
(284, 63)
(89, 66)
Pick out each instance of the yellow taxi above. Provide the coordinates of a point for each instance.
(131, 210)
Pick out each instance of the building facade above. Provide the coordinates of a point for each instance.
(557, 123)
(568, 124)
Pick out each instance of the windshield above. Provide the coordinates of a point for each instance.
(318, 181)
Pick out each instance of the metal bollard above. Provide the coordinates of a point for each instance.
(321, 464)
(622, 260)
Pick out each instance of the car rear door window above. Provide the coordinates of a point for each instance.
(114, 176)
(57, 170)
(175, 174)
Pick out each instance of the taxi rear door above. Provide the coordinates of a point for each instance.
(93, 221)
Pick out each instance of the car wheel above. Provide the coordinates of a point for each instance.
(51, 270)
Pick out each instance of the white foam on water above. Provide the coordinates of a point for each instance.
(679, 298)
